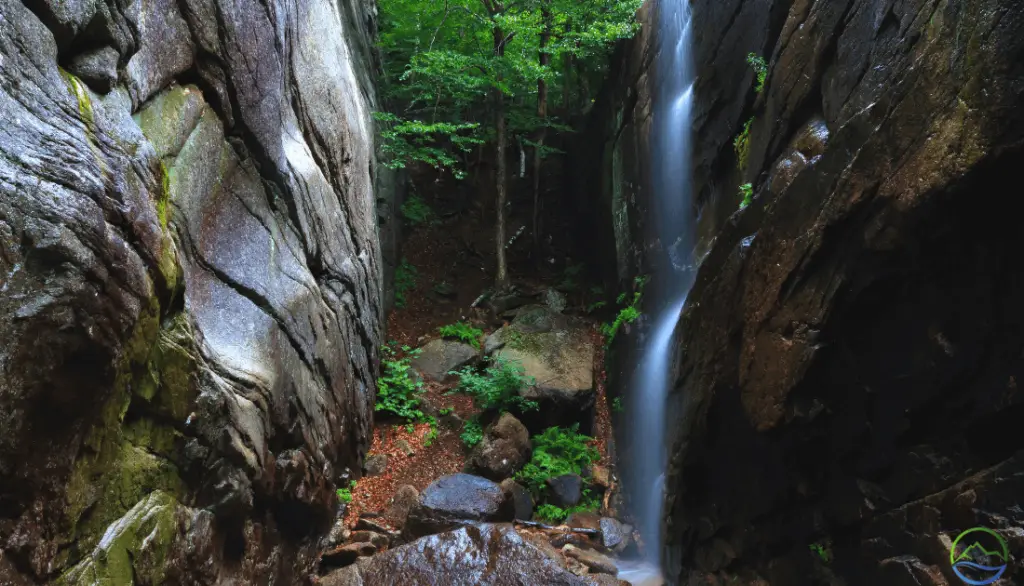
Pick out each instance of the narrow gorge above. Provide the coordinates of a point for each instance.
(458, 292)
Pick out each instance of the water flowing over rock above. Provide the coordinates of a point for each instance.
(190, 284)
(848, 357)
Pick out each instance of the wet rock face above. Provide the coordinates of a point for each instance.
(189, 284)
(478, 554)
(852, 348)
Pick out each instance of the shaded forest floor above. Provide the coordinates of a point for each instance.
(451, 256)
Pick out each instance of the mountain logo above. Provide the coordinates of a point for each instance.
(979, 556)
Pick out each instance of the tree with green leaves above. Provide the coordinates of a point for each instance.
(462, 74)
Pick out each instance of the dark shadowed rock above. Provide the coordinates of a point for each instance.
(565, 491)
(97, 68)
(504, 449)
(438, 357)
(346, 554)
(482, 555)
(456, 499)
(378, 540)
(522, 500)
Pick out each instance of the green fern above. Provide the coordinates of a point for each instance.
(472, 433)
(747, 192)
(416, 211)
(627, 314)
(397, 392)
(760, 69)
(345, 494)
(462, 331)
(497, 387)
(556, 452)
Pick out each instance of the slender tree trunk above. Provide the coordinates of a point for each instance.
(567, 74)
(501, 279)
(542, 113)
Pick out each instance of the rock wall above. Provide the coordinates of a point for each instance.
(850, 355)
(190, 285)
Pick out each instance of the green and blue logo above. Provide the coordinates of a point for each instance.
(979, 556)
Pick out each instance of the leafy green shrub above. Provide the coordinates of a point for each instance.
(617, 405)
(416, 211)
(556, 452)
(405, 281)
(741, 144)
(432, 434)
(627, 314)
(554, 515)
(747, 192)
(760, 68)
(464, 332)
(823, 550)
(472, 433)
(410, 141)
(497, 387)
(397, 392)
(345, 494)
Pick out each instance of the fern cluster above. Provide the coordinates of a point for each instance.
(747, 192)
(627, 314)
(463, 332)
(760, 69)
(416, 211)
(497, 387)
(397, 392)
(472, 433)
(553, 514)
(556, 452)
(345, 494)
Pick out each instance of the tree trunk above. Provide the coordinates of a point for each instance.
(501, 279)
(567, 75)
(542, 113)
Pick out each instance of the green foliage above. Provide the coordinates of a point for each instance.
(822, 549)
(556, 452)
(416, 211)
(497, 387)
(741, 144)
(551, 514)
(627, 314)
(432, 434)
(446, 411)
(462, 331)
(617, 405)
(397, 392)
(760, 68)
(405, 281)
(595, 306)
(472, 433)
(345, 494)
(747, 193)
(441, 66)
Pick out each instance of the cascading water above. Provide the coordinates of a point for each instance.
(674, 227)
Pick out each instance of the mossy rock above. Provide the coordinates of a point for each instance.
(134, 548)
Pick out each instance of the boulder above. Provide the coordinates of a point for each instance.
(481, 555)
(404, 500)
(97, 68)
(454, 500)
(565, 491)
(439, 357)
(598, 563)
(522, 500)
(615, 535)
(378, 540)
(504, 449)
(346, 554)
(557, 353)
(584, 520)
(376, 464)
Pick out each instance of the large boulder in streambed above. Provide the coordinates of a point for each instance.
(454, 500)
(439, 357)
(557, 352)
(504, 450)
(482, 555)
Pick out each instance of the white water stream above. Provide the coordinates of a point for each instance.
(674, 225)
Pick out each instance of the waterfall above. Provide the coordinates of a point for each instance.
(674, 230)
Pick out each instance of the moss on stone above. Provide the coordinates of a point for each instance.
(121, 463)
(137, 545)
(78, 90)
